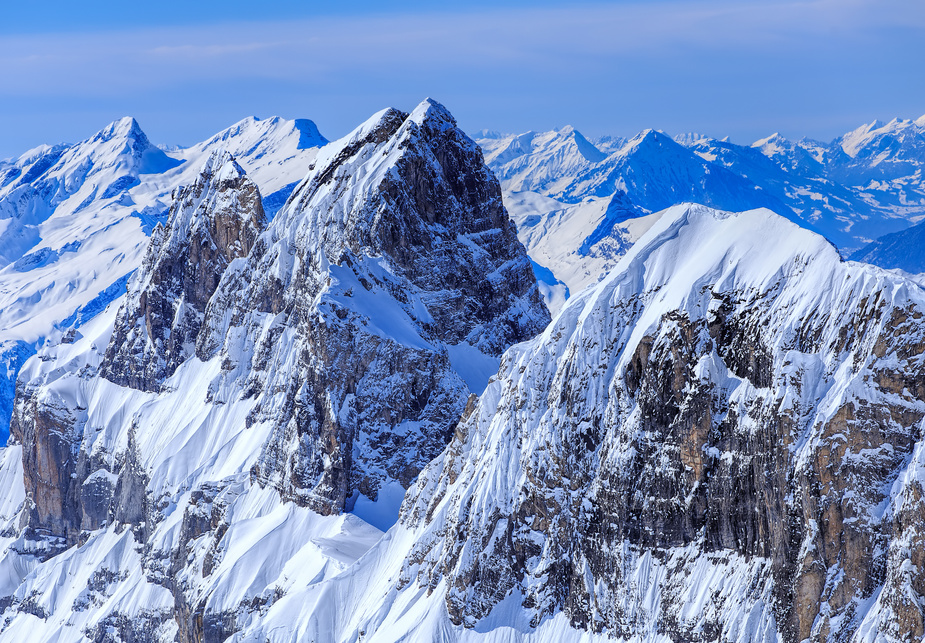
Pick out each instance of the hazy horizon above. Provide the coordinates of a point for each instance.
(811, 69)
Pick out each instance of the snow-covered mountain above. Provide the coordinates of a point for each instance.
(188, 455)
(572, 246)
(249, 349)
(721, 441)
(887, 152)
(539, 162)
(861, 186)
(75, 220)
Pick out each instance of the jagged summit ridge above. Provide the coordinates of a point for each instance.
(540, 160)
(422, 195)
(400, 214)
(253, 136)
(213, 222)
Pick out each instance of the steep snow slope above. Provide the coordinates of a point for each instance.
(188, 458)
(722, 440)
(573, 246)
(74, 220)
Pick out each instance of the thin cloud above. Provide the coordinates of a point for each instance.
(196, 51)
(719, 66)
(583, 35)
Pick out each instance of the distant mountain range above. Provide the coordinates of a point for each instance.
(854, 190)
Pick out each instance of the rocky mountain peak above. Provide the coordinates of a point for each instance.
(394, 250)
(331, 351)
(716, 438)
(210, 224)
(413, 188)
(433, 114)
(123, 146)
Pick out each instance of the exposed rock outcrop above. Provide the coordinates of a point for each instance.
(211, 223)
(703, 447)
(394, 253)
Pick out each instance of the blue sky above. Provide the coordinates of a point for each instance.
(188, 69)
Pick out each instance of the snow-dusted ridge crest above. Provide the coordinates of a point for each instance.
(720, 441)
(190, 453)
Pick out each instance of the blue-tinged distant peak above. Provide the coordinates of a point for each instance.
(309, 136)
(252, 138)
(585, 147)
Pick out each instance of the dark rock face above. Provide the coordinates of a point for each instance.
(394, 246)
(70, 491)
(48, 431)
(211, 223)
(738, 432)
